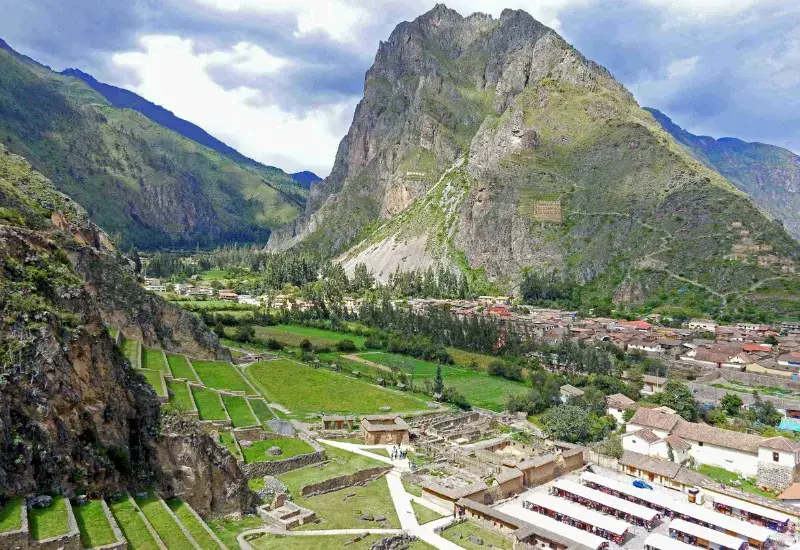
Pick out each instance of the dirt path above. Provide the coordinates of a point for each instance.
(357, 359)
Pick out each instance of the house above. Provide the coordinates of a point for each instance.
(774, 462)
(645, 347)
(617, 404)
(384, 429)
(752, 327)
(653, 384)
(250, 300)
(771, 367)
(790, 359)
(500, 311)
(704, 325)
(756, 348)
(656, 470)
(228, 295)
(155, 287)
(641, 326)
(336, 422)
(569, 392)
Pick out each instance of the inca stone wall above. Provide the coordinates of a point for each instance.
(336, 483)
(775, 476)
(277, 467)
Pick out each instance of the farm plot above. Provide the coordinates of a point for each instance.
(221, 376)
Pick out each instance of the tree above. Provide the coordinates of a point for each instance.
(731, 403)
(771, 339)
(245, 333)
(765, 413)
(137, 261)
(438, 382)
(567, 423)
(346, 345)
(678, 397)
(306, 346)
(219, 329)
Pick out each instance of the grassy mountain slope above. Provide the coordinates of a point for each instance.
(770, 174)
(140, 182)
(492, 145)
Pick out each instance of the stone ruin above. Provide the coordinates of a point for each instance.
(285, 514)
(274, 451)
(460, 428)
(283, 427)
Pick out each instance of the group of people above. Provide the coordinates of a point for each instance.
(397, 453)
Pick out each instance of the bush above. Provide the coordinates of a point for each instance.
(346, 346)
(274, 344)
(244, 333)
(306, 346)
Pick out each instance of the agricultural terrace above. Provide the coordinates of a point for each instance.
(10, 518)
(290, 447)
(209, 404)
(303, 389)
(261, 409)
(181, 399)
(132, 525)
(154, 359)
(340, 462)
(167, 528)
(292, 335)
(239, 411)
(221, 376)
(93, 525)
(190, 521)
(130, 349)
(44, 523)
(226, 438)
(180, 368)
(153, 378)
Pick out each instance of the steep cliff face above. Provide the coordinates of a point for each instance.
(493, 145)
(74, 415)
(770, 174)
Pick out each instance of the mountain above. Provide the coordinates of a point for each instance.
(75, 416)
(306, 178)
(770, 174)
(492, 146)
(141, 182)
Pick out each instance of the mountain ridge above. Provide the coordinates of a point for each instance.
(493, 146)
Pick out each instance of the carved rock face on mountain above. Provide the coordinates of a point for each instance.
(493, 144)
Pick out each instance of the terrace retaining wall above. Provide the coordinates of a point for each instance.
(277, 467)
(71, 540)
(121, 542)
(341, 482)
(17, 539)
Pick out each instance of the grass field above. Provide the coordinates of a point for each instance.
(132, 526)
(113, 332)
(219, 375)
(154, 359)
(10, 515)
(153, 378)
(228, 528)
(301, 388)
(226, 438)
(166, 527)
(239, 412)
(44, 523)
(331, 542)
(195, 528)
(208, 404)
(466, 358)
(338, 512)
(292, 335)
(93, 524)
(424, 515)
(405, 363)
(468, 529)
(721, 475)
(181, 398)
(180, 367)
(130, 349)
(340, 462)
(290, 447)
(262, 410)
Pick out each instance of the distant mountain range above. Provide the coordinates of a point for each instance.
(770, 174)
(306, 178)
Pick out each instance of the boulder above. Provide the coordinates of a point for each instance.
(475, 540)
(366, 517)
(274, 451)
(245, 444)
(41, 501)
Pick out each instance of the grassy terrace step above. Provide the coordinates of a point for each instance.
(303, 389)
(293, 335)
(261, 409)
(226, 438)
(180, 368)
(181, 397)
(93, 524)
(130, 349)
(154, 378)
(10, 515)
(221, 376)
(44, 523)
(132, 525)
(194, 525)
(166, 527)
(290, 447)
(239, 411)
(208, 404)
(154, 359)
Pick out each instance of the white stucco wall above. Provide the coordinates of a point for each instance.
(741, 462)
(784, 458)
(629, 427)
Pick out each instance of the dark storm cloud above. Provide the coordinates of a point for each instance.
(745, 82)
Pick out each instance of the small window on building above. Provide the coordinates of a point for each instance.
(700, 443)
(775, 457)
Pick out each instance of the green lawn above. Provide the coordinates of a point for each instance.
(239, 411)
(404, 363)
(10, 515)
(340, 462)
(219, 375)
(261, 409)
(132, 525)
(44, 523)
(226, 438)
(113, 332)
(93, 524)
(154, 359)
(466, 358)
(130, 349)
(338, 511)
(166, 527)
(227, 529)
(722, 475)
(468, 529)
(181, 398)
(195, 527)
(292, 335)
(208, 404)
(180, 368)
(301, 388)
(424, 515)
(331, 542)
(412, 489)
(153, 378)
(291, 447)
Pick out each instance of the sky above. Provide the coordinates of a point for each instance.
(279, 79)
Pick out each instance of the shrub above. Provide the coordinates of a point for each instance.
(346, 346)
(273, 344)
